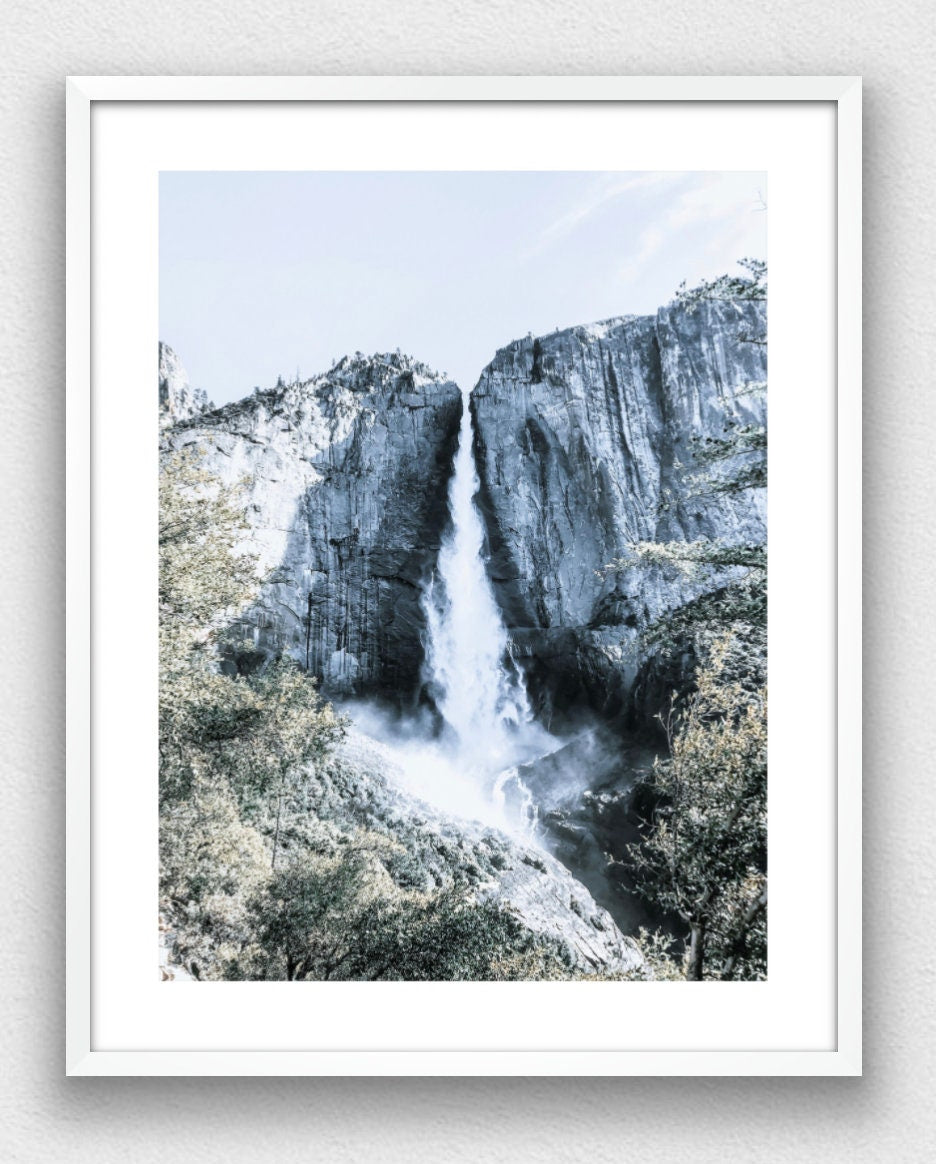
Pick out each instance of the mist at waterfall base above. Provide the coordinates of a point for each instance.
(469, 768)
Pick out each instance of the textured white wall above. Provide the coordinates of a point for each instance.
(886, 1116)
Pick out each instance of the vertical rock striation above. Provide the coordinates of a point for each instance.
(580, 437)
(345, 484)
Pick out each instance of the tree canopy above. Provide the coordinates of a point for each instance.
(704, 856)
(255, 881)
(703, 853)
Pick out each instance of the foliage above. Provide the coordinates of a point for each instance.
(260, 877)
(733, 463)
(204, 573)
(752, 285)
(732, 583)
(731, 579)
(307, 918)
(342, 918)
(455, 937)
(227, 746)
(704, 856)
(210, 864)
(249, 731)
(691, 557)
(661, 962)
(737, 461)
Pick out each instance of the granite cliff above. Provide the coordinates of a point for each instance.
(580, 437)
(582, 442)
(345, 481)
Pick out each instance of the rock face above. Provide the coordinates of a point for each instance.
(590, 809)
(178, 400)
(580, 436)
(346, 479)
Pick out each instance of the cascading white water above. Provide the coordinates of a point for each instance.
(477, 688)
(472, 769)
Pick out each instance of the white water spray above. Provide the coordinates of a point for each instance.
(477, 687)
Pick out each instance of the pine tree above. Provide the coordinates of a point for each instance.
(703, 855)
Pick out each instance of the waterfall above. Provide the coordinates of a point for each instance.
(472, 769)
(477, 687)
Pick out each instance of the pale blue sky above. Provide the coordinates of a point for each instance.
(264, 274)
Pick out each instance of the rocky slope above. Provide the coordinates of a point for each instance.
(359, 798)
(580, 436)
(442, 851)
(345, 479)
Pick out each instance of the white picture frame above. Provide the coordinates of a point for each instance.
(104, 827)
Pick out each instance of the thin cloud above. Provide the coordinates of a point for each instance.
(650, 242)
(609, 189)
(711, 200)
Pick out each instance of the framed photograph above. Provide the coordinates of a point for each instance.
(420, 496)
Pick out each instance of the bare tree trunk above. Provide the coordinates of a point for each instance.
(279, 810)
(696, 951)
(740, 942)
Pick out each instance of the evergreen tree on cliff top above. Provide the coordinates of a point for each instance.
(732, 576)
